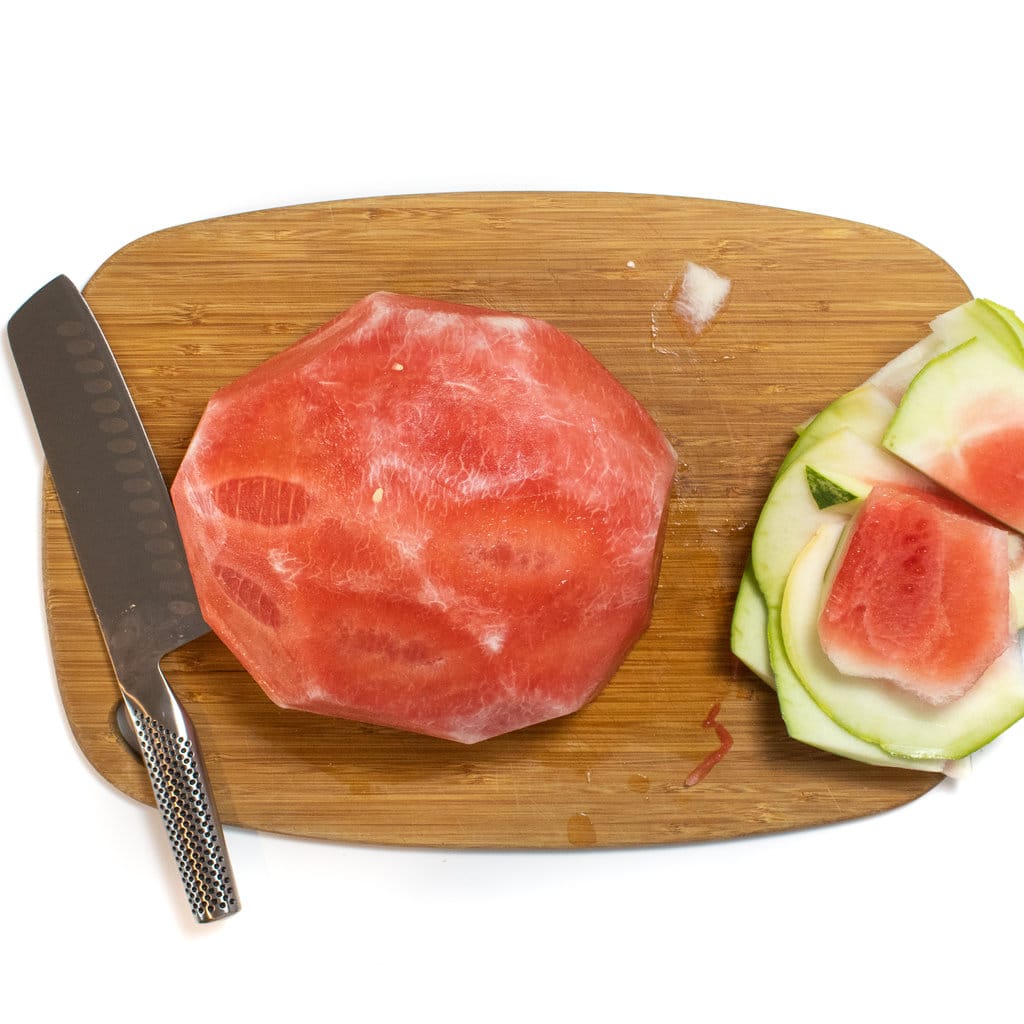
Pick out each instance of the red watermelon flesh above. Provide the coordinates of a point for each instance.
(920, 595)
(987, 469)
(427, 516)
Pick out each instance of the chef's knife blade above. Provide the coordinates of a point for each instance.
(126, 538)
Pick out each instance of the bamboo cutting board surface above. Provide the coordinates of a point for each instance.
(816, 305)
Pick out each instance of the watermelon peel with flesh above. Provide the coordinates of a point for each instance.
(877, 711)
(961, 422)
(913, 569)
(951, 414)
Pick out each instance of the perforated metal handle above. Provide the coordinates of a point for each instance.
(182, 791)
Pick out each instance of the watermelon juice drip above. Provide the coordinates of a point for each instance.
(724, 746)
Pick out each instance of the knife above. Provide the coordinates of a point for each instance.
(129, 548)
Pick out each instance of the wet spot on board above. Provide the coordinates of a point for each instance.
(580, 830)
(639, 783)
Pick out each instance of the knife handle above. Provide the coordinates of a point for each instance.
(170, 752)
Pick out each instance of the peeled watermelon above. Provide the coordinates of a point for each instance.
(433, 517)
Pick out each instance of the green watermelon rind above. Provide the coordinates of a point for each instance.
(832, 490)
(748, 631)
(808, 723)
(874, 710)
(981, 318)
(1013, 322)
(976, 318)
(866, 411)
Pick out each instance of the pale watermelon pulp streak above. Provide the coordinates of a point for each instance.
(433, 517)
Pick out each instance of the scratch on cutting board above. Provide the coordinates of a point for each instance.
(656, 310)
(692, 301)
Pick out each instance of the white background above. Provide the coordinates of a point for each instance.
(121, 120)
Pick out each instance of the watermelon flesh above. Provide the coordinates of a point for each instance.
(432, 517)
(988, 469)
(920, 595)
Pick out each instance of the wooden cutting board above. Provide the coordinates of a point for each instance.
(816, 305)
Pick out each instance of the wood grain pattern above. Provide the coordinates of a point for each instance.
(817, 304)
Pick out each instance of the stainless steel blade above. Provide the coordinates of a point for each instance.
(126, 538)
